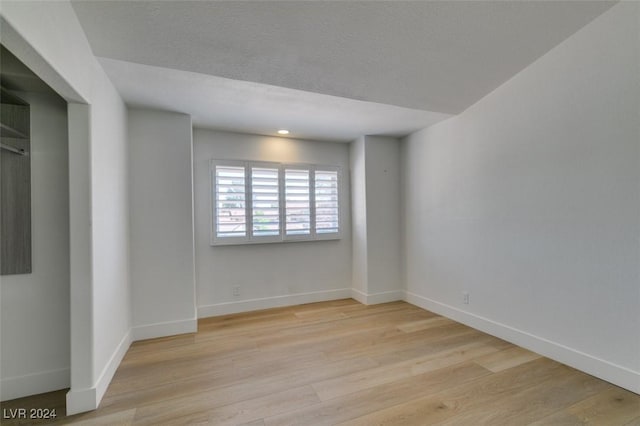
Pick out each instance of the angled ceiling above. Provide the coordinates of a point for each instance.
(437, 56)
(233, 105)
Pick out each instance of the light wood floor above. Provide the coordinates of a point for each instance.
(345, 363)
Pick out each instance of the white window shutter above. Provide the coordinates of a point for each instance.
(327, 208)
(297, 201)
(230, 202)
(265, 197)
(264, 202)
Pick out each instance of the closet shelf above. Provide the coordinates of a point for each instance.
(13, 149)
(9, 132)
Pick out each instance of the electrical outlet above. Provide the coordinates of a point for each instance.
(236, 291)
(465, 297)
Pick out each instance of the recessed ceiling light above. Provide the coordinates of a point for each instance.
(283, 132)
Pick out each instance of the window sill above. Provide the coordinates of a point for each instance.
(241, 242)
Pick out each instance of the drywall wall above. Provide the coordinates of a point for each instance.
(357, 161)
(48, 38)
(82, 394)
(161, 215)
(110, 227)
(267, 275)
(375, 169)
(383, 216)
(35, 307)
(530, 201)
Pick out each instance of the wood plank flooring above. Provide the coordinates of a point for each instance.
(343, 363)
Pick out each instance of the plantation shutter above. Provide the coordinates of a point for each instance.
(265, 201)
(326, 202)
(297, 202)
(230, 202)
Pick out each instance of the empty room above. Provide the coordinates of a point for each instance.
(320, 212)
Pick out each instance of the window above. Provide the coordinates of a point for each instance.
(271, 202)
(231, 202)
(265, 196)
(297, 201)
(326, 199)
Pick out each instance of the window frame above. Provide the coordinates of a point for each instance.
(282, 236)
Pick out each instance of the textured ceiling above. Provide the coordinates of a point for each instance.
(438, 56)
(225, 104)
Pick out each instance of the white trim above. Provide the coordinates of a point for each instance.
(80, 401)
(163, 329)
(605, 370)
(35, 383)
(272, 302)
(110, 369)
(376, 298)
(359, 296)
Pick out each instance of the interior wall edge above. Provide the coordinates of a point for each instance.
(114, 362)
(13, 40)
(164, 329)
(81, 400)
(605, 370)
(377, 298)
(272, 302)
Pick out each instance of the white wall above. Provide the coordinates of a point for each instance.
(383, 217)
(48, 38)
(34, 314)
(110, 229)
(268, 274)
(161, 200)
(530, 201)
(359, 270)
(375, 173)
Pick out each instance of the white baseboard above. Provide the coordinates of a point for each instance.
(32, 384)
(111, 367)
(597, 367)
(81, 400)
(376, 298)
(163, 329)
(272, 302)
(358, 295)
